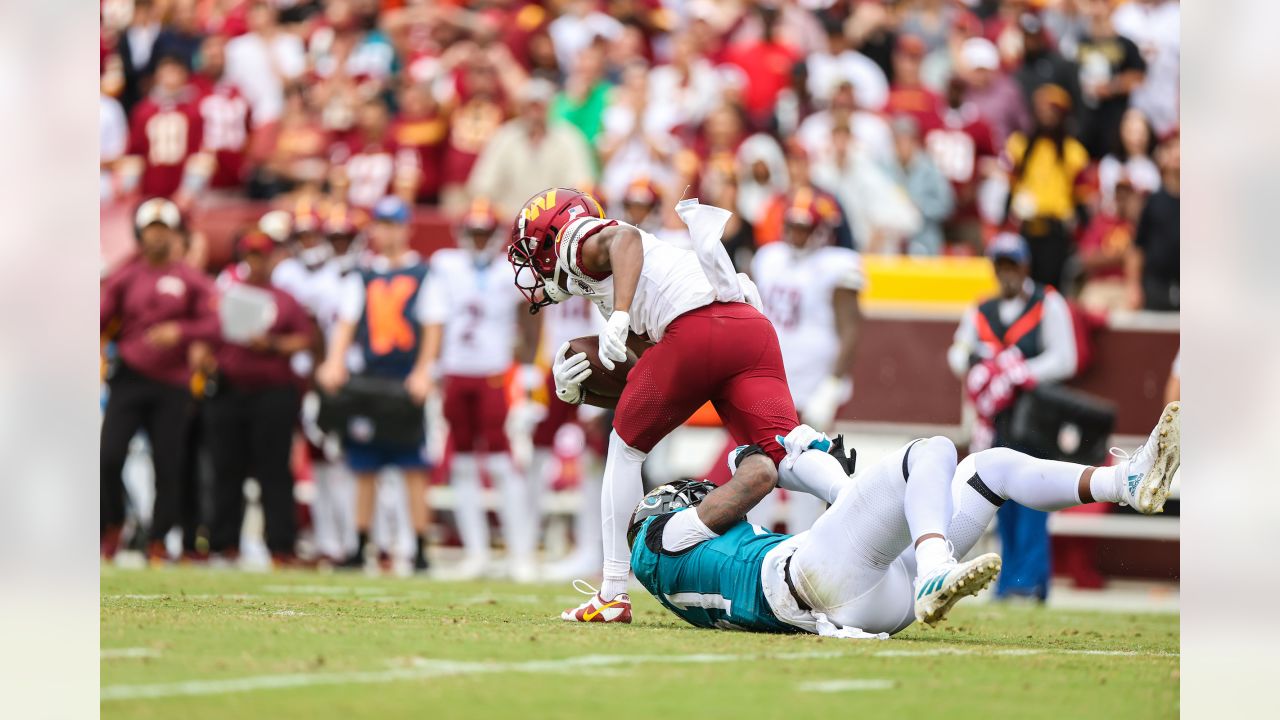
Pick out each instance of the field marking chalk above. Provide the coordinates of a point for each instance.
(852, 684)
(128, 652)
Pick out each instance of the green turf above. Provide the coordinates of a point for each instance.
(355, 647)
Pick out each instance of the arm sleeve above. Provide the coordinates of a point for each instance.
(351, 299)
(109, 299)
(1058, 361)
(684, 530)
(846, 271)
(963, 344)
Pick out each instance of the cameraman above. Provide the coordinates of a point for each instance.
(382, 312)
(1006, 346)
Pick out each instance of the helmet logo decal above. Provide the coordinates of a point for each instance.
(539, 205)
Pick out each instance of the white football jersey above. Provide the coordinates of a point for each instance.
(671, 282)
(797, 290)
(477, 305)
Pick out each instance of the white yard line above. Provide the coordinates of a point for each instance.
(427, 668)
(129, 652)
(833, 686)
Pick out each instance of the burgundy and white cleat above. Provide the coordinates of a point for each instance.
(597, 609)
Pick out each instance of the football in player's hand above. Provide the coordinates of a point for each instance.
(605, 383)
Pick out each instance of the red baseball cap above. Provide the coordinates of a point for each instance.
(255, 241)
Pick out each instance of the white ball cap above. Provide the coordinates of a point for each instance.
(277, 224)
(980, 54)
(158, 210)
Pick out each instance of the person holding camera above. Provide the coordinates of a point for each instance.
(382, 314)
(1006, 347)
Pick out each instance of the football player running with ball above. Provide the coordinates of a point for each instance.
(884, 554)
(711, 343)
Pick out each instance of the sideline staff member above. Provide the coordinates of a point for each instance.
(152, 307)
(250, 417)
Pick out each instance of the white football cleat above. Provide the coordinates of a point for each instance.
(597, 609)
(1146, 474)
(941, 589)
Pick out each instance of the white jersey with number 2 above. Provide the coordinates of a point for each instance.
(477, 304)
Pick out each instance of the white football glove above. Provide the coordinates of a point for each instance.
(569, 372)
(613, 339)
(821, 409)
(801, 439)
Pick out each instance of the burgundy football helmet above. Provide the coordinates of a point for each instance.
(533, 238)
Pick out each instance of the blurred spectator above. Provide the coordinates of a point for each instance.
(870, 131)
(478, 111)
(1046, 167)
(1040, 64)
(152, 308)
(1156, 252)
(687, 86)
(842, 62)
(295, 151)
(640, 205)
(929, 21)
(908, 96)
(1020, 339)
(263, 60)
(225, 115)
(166, 128)
(991, 91)
(1067, 24)
(762, 174)
(925, 185)
(529, 154)
(1131, 157)
(635, 142)
(423, 126)
(579, 26)
(872, 31)
(136, 45)
(794, 103)
(370, 163)
(382, 312)
(1105, 246)
(766, 60)
(1110, 69)
(879, 212)
(788, 22)
(181, 35)
(586, 93)
(1155, 26)
(251, 415)
(113, 141)
(964, 150)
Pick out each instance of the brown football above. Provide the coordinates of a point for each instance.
(607, 383)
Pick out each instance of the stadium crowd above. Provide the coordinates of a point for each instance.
(909, 127)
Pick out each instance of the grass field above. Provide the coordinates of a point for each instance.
(194, 644)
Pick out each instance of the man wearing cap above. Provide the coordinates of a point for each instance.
(152, 308)
(474, 333)
(990, 90)
(529, 153)
(1009, 344)
(382, 313)
(251, 413)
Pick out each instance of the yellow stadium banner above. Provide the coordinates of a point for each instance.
(941, 283)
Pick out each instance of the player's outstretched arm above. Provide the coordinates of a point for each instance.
(728, 504)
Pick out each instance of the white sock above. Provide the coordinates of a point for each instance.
(931, 554)
(622, 490)
(1040, 484)
(1105, 484)
(517, 520)
(931, 464)
(586, 523)
(468, 507)
(814, 472)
